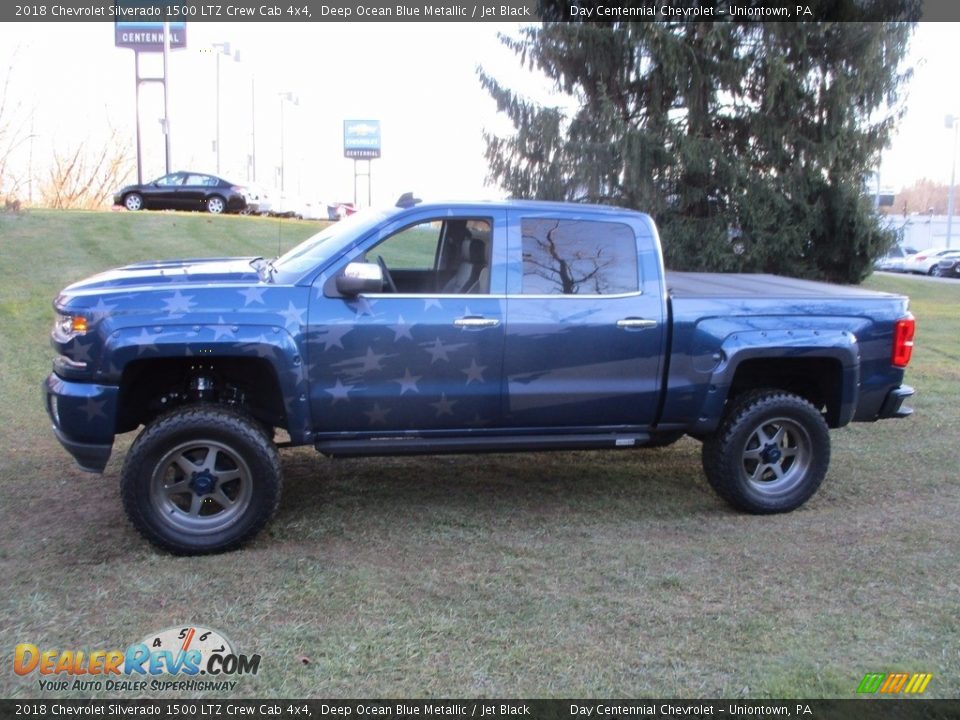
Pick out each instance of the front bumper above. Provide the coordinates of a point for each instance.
(83, 416)
(893, 404)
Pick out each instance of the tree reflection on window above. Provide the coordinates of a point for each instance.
(578, 257)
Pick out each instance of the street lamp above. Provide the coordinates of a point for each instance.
(222, 49)
(952, 121)
(293, 100)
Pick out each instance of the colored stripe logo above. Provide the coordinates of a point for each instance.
(893, 683)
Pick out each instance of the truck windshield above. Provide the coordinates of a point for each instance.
(328, 242)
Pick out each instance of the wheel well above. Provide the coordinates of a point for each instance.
(819, 380)
(150, 387)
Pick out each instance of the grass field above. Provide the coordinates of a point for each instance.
(573, 574)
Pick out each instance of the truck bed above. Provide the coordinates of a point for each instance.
(733, 285)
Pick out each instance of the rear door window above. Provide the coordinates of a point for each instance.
(578, 257)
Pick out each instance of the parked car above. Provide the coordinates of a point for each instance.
(318, 210)
(341, 210)
(186, 191)
(284, 205)
(895, 259)
(499, 326)
(949, 266)
(925, 261)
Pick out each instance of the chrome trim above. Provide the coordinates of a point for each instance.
(65, 362)
(636, 323)
(475, 322)
(432, 296)
(491, 296)
(616, 296)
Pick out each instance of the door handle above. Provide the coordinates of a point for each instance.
(473, 322)
(631, 323)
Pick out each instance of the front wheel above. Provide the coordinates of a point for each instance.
(201, 479)
(770, 453)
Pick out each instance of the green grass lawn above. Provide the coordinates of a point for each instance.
(572, 574)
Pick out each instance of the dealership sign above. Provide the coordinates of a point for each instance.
(361, 139)
(148, 36)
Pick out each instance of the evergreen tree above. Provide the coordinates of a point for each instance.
(748, 142)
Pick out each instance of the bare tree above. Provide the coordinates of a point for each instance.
(13, 134)
(567, 267)
(922, 197)
(83, 179)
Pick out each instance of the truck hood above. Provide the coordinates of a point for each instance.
(163, 273)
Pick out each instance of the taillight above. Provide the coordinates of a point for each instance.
(903, 340)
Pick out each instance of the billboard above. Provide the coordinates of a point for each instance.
(361, 139)
(148, 36)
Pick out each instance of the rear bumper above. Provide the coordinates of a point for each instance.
(83, 419)
(893, 404)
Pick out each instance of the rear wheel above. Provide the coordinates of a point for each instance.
(770, 454)
(935, 271)
(133, 202)
(201, 479)
(216, 204)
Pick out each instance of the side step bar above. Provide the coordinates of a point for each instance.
(502, 443)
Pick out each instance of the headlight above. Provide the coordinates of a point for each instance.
(69, 325)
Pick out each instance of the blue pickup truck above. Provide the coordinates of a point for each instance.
(458, 327)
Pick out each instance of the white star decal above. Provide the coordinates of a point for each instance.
(371, 361)
(94, 409)
(81, 351)
(401, 329)
(293, 316)
(408, 383)
(145, 341)
(474, 372)
(438, 351)
(221, 329)
(252, 295)
(101, 309)
(261, 346)
(378, 415)
(444, 406)
(477, 421)
(178, 304)
(361, 306)
(339, 392)
(431, 302)
(333, 335)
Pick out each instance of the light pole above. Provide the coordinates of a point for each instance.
(222, 49)
(293, 100)
(952, 121)
(252, 171)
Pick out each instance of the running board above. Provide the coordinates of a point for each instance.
(502, 443)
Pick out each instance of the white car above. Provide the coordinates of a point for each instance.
(895, 259)
(317, 210)
(285, 205)
(924, 262)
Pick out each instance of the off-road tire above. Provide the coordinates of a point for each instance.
(190, 433)
(774, 476)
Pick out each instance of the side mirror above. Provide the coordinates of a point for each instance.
(358, 278)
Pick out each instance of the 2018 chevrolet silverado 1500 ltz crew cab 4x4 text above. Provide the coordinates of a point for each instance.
(458, 327)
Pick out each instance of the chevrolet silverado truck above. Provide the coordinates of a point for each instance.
(458, 328)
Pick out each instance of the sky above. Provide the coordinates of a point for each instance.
(71, 85)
